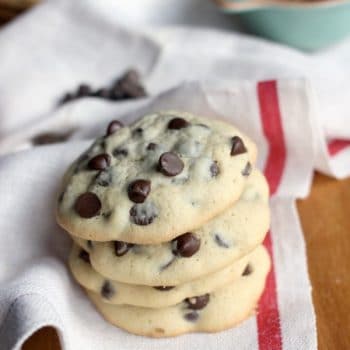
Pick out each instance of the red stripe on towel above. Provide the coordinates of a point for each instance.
(268, 318)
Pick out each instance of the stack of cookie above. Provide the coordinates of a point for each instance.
(167, 217)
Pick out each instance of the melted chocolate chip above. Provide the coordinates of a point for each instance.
(197, 303)
(103, 178)
(87, 205)
(114, 126)
(247, 170)
(100, 162)
(248, 270)
(214, 169)
(60, 197)
(170, 164)
(177, 123)
(120, 152)
(164, 288)
(137, 132)
(138, 190)
(186, 245)
(152, 146)
(121, 248)
(143, 214)
(220, 242)
(84, 255)
(107, 290)
(191, 316)
(238, 146)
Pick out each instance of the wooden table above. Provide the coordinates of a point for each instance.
(325, 217)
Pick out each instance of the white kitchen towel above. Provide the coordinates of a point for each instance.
(62, 43)
(36, 287)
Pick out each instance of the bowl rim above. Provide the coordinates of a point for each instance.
(246, 5)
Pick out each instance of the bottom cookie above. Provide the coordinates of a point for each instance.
(213, 312)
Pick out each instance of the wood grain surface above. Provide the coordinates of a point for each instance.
(325, 217)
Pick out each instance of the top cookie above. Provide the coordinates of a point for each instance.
(168, 173)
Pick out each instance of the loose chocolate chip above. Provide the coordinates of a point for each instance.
(100, 162)
(143, 214)
(89, 244)
(132, 90)
(103, 178)
(177, 123)
(248, 270)
(151, 146)
(114, 126)
(170, 164)
(132, 76)
(192, 316)
(238, 146)
(116, 93)
(138, 190)
(214, 169)
(120, 152)
(107, 290)
(164, 288)
(84, 255)
(66, 98)
(186, 245)
(197, 303)
(220, 242)
(84, 90)
(247, 170)
(121, 248)
(103, 93)
(50, 137)
(87, 205)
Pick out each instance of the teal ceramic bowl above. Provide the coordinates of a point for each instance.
(307, 25)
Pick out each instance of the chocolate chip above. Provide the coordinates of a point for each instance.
(66, 98)
(151, 146)
(87, 205)
(116, 93)
(164, 288)
(220, 242)
(49, 138)
(214, 169)
(186, 245)
(89, 244)
(248, 270)
(197, 303)
(192, 316)
(170, 164)
(238, 146)
(114, 126)
(100, 162)
(84, 90)
(132, 76)
(143, 214)
(103, 93)
(107, 290)
(84, 255)
(177, 123)
(137, 132)
(132, 90)
(121, 248)
(247, 170)
(138, 190)
(103, 178)
(120, 152)
(60, 197)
